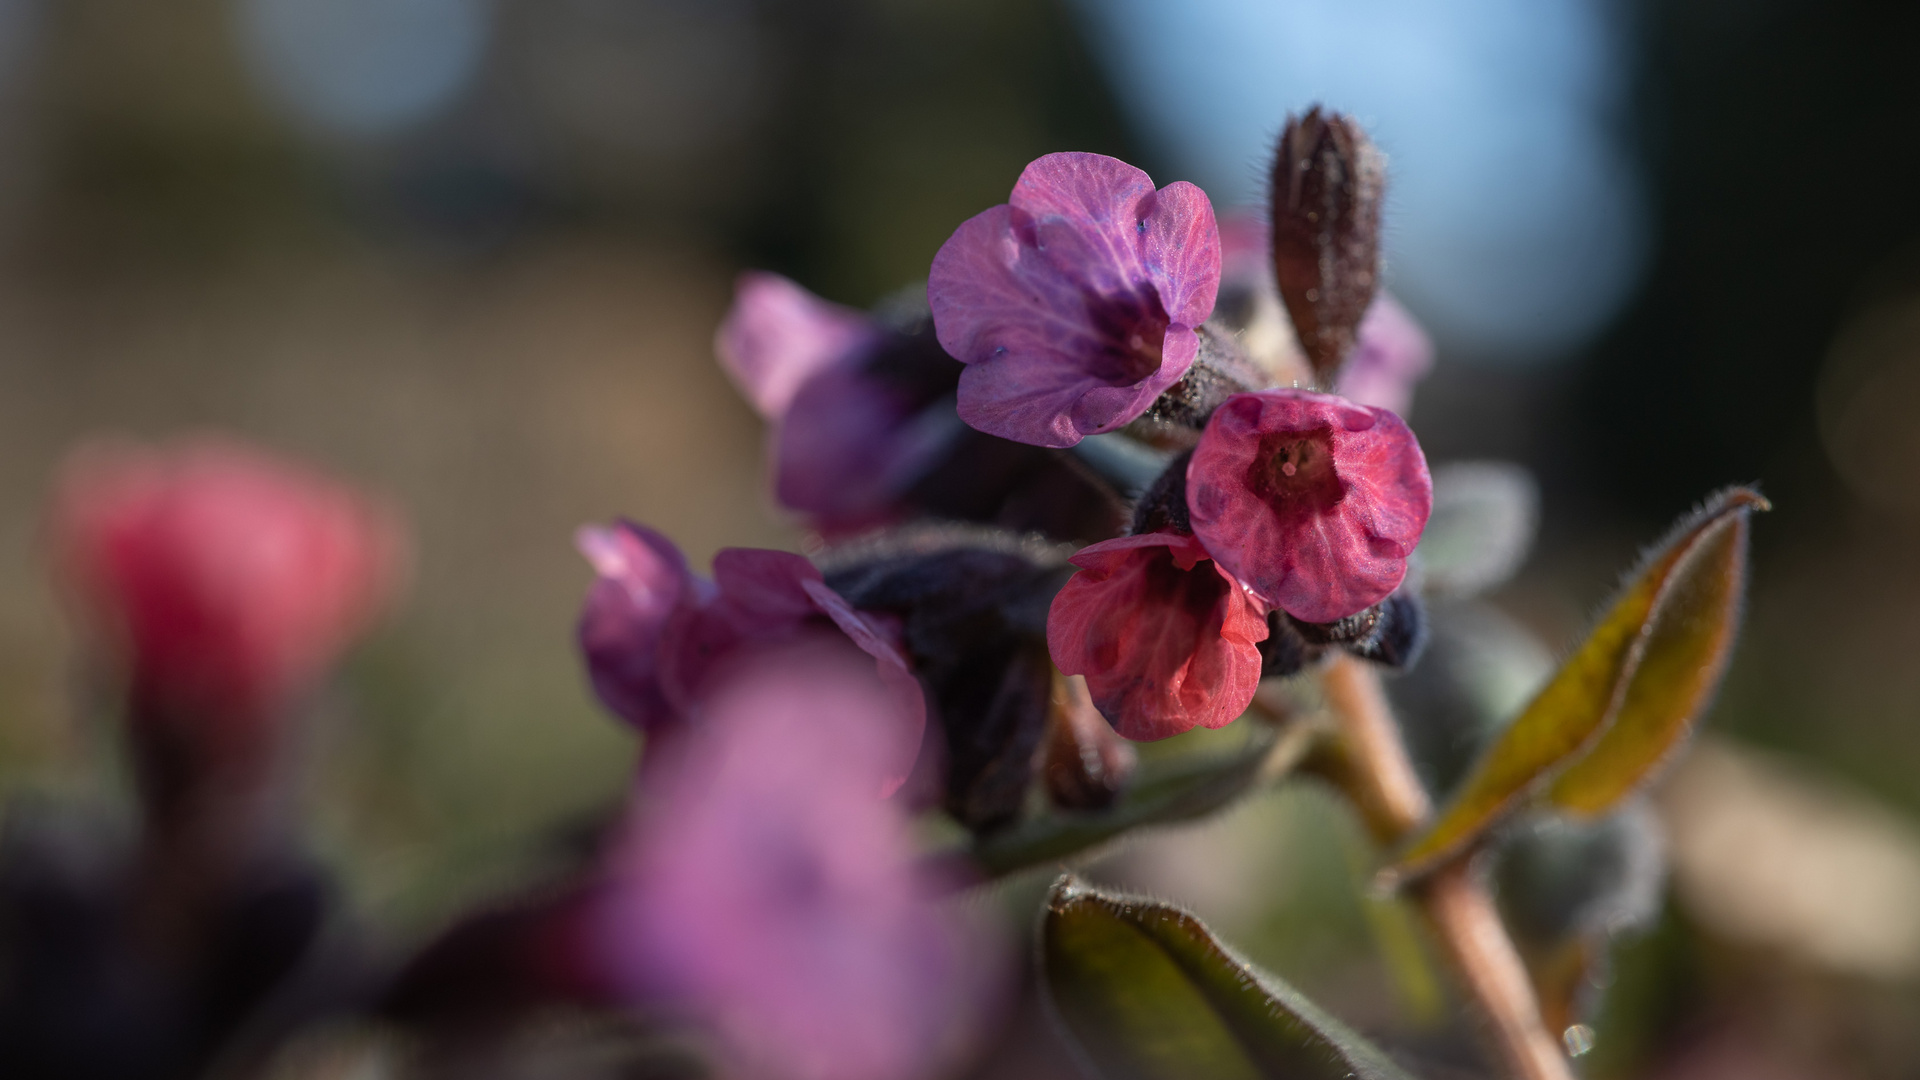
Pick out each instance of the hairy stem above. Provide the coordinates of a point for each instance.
(1456, 904)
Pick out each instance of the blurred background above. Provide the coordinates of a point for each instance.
(471, 253)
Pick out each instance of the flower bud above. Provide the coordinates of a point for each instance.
(973, 607)
(1328, 185)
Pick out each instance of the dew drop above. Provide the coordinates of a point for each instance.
(1578, 1039)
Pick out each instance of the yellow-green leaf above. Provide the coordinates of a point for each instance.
(1146, 992)
(1625, 698)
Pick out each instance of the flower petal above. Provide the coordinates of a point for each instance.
(643, 580)
(778, 335)
(1392, 354)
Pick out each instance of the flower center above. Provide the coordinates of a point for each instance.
(1131, 329)
(1294, 473)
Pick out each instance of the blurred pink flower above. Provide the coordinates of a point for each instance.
(765, 892)
(1391, 355)
(1074, 305)
(1167, 640)
(1311, 500)
(659, 641)
(847, 441)
(228, 579)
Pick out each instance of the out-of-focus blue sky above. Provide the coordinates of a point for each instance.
(1518, 220)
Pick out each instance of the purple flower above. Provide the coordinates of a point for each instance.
(1312, 501)
(764, 892)
(1074, 305)
(851, 430)
(659, 641)
(643, 579)
(850, 447)
(1391, 355)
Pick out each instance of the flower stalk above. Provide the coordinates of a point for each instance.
(1455, 902)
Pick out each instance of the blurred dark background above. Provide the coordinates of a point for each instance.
(471, 254)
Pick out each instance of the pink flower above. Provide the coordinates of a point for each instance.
(643, 579)
(778, 335)
(659, 641)
(763, 891)
(1311, 500)
(229, 580)
(859, 412)
(1167, 640)
(1391, 355)
(1074, 305)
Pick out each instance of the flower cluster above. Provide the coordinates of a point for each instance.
(1077, 308)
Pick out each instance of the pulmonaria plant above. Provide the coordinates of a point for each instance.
(1164, 517)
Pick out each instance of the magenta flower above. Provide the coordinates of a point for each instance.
(1167, 640)
(847, 440)
(1074, 305)
(1311, 500)
(764, 892)
(643, 579)
(225, 579)
(1390, 356)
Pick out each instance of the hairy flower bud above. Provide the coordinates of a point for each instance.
(973, 609)
(1328, 185)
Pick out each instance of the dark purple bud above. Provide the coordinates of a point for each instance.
(1399, 635)
(1285, 652)
(1328, 183)
(973, 606)
(1356, 627)
(1164, 505)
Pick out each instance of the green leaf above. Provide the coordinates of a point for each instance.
(1625, 699)
(1161, 791)
(1145, 992)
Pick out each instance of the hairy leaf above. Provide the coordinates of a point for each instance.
(1145, 992)
(1625, 699)
(1161, 791)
